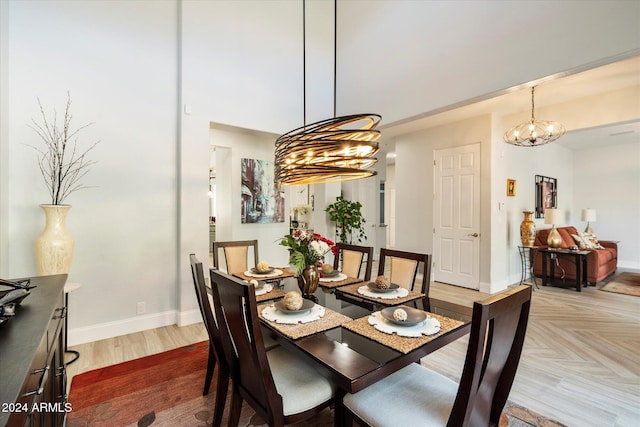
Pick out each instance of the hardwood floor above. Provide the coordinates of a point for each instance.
(580, 364)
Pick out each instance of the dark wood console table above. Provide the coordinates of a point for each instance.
(33, 378)
(580, 258)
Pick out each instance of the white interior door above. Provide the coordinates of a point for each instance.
(456, 239)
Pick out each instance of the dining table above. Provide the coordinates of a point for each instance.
(346, 344)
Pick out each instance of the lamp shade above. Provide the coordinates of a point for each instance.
(589, 215)
(553, 216)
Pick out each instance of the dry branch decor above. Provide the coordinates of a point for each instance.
(61, 163)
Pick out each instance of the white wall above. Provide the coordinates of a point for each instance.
(244, 144)
(501, 215)
(523, 164)
(414, 184)
(556, 161)
(608, 179)
(132, 66)
(124, 227)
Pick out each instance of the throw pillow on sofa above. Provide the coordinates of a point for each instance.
(581, 242)
(587, 241)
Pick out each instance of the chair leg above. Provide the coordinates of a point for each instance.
(211, 365)
(339, 413)
(221, 395)
(236, 406)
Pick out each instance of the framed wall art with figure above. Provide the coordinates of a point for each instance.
(546, 194)
(511, 187)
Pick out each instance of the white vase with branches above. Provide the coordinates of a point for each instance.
(62, 166)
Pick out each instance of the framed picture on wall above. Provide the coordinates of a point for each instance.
(262, 200)
(511, 187)
(546, 194)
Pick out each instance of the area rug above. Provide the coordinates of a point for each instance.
(626, 283)
(165, 389)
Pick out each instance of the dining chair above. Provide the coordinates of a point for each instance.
(352, 257)
(282, 387)
(416, 395)
(404, 268)
(236, 255)
(215, 342)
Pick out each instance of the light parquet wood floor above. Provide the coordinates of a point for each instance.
(580, 364)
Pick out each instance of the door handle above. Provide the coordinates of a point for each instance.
(473, 235)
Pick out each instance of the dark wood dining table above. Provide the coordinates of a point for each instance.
(354, 354)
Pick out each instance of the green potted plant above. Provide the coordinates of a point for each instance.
(349, 220)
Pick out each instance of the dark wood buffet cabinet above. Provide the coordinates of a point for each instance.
(32, 372)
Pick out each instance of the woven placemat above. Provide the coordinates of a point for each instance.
(330, 320)
(347, 281)
(352, 290)
(274, 293)
(404, 345)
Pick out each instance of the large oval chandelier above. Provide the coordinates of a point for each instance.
(337, 149)
(534, 132)
(331, 150)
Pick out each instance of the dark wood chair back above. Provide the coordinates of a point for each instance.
(235, 305)
(352, 257)
(236, 255)
(498, 328)
(215, 341)
(404, 268)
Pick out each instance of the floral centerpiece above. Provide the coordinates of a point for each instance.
(307, 248)
(305, 251)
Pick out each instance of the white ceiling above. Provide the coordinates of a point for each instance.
(622, 133)
(618, 75)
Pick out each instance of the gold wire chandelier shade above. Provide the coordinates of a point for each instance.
(331, 150)
(534, 132)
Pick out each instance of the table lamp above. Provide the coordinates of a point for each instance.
(589, 215)
(553, 216)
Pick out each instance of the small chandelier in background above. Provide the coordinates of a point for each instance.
(331, 150)
(535, 132)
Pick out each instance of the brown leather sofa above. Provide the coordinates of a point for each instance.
(601, 263)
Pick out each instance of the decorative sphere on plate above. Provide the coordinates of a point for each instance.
(263, 266)
(327, 268)
(400, 315)
(382, 282)
(292, 300)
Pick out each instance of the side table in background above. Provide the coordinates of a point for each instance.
(552, 255)
(68, 288)
(527, 257)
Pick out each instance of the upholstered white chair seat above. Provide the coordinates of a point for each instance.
(298, 382)
(413, 396)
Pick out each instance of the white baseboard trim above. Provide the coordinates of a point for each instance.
(186, 318)
(131, 325)
(493, 288)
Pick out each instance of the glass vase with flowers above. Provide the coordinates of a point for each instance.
(306, 250)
